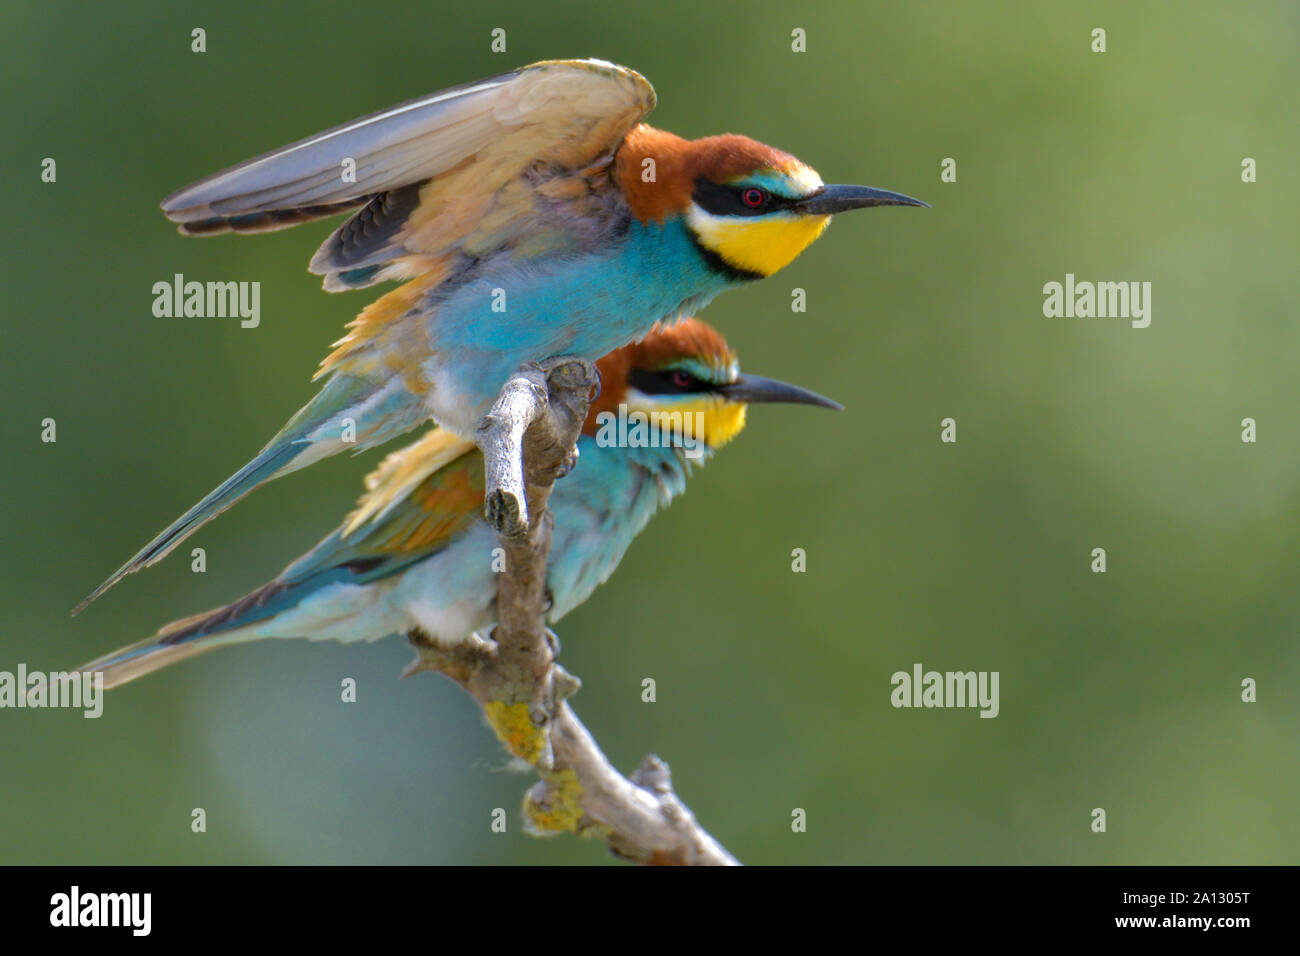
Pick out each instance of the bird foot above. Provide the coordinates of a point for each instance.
(478, 645)
(504, 513)
(568, 373)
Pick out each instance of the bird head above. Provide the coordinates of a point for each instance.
(685, 382)
(750, 209)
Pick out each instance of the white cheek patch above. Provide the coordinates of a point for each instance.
(708, 227)
(717, 231)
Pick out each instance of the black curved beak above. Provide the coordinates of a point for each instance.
(755, 388)
(832, 199)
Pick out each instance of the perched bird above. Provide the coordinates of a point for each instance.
(534, 216)
(416, 552)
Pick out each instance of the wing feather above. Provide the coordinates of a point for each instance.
(416, 502)
(459, 151)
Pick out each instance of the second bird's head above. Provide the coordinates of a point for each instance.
(749, 208)
(682, 383)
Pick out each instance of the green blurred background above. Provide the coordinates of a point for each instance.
(1118, 690)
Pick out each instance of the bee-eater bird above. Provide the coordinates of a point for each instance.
(534, 216)
(416, 553)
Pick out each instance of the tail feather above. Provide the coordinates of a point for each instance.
(195, 634)
(250, 618)
(143, 657)
(272, 461)
(379, 411)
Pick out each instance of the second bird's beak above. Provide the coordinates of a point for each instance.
(755, 388)
(832, 199)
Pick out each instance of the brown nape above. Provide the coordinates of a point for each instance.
(688, 338)
(679, 162)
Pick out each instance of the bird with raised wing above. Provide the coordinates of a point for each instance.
(533, 215)
(416, 554)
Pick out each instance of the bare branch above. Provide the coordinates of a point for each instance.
(528, 441)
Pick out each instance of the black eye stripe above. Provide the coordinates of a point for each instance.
(661, 382)
(723, 200)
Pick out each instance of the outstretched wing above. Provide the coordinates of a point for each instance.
(518, 160)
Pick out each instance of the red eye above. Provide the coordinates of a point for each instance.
(753, 198)
(682, 379)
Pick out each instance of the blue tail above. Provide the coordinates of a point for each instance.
(139, 659)
(331, 562)
(376, 411)
(194, 635)
(262, 468)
